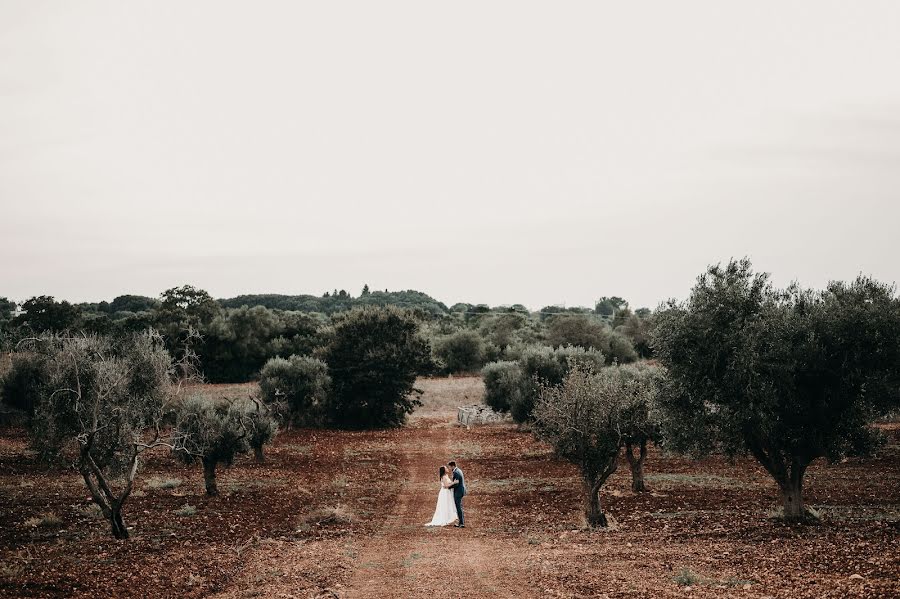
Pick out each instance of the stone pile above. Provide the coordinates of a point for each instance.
(478, 414)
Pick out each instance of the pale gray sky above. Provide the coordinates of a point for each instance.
(498, 152)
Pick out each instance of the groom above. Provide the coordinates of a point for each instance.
(459, 491)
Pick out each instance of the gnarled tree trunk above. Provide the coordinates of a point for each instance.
(637, 466)
(593, 510)
(592, 483)
(209, 476)
(788, 477)
(259, 455)
(103, 495)
(119, 530)
(792, 492)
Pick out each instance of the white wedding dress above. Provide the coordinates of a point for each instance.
(445, 512)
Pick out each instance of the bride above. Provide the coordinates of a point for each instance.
(445, 512)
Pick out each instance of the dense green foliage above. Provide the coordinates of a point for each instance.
(462, 351)
(26, 381)
(585, 330)
(542, 366)
(43, 313)
(229, 340)
(374, 356)
(788, 376)
(237, 342)
(299, 386)
(514, 386)
(502, 385)
(7, 312)
(340, 301)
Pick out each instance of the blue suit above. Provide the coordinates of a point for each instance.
(459, 491)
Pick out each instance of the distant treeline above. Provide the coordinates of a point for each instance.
(233, 338)
(339, 301)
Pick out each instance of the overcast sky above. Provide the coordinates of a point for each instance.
(497, 152)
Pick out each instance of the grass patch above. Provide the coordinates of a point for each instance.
(712, 481)
(859, 513)
(737, 582)
(91, 511)
(297, 449)
(407, 562)
(246, 484)
(158, 484)
(687, 578)
(466, 450)
(11, 569)
(338, 514)
(186, 510)
(48, 520)
(690, 514)
(810, 517)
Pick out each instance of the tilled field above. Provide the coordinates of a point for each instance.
(341, 514)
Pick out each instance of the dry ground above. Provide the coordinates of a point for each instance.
(341, 514)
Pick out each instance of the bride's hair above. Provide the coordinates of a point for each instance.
(442, 472)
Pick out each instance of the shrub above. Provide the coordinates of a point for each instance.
(338, 514)
(463, 351)
(48, 520)
(164, 483)
(581, 330)
(374, 356)
(301, 384)
(502, 385)
(621, 349)
(687, 578)
(239, 341)
(22, 386)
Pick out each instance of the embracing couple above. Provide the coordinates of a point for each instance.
(449, 504)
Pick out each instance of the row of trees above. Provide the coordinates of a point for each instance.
(787, 376)
(233, 338)
(100, 401)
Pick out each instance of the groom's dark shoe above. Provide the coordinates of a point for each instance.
(460, 525)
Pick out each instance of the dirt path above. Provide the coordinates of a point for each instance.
(407, 559)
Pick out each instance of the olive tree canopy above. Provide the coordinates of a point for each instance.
(787, 375)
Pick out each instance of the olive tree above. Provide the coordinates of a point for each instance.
(789, 376)
(640, 419)
(299, 385)
(213, 434)
(105, 402)
(583, 419)
(262, 426)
